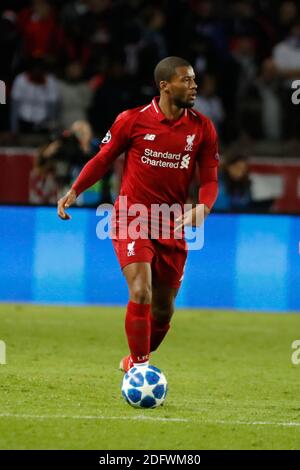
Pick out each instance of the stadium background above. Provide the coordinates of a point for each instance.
(104, 53)
(247, 262)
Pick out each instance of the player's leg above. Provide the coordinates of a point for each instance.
(137, 322)
(162, 310)
(138, 278)
(167, 275)
(135, 258)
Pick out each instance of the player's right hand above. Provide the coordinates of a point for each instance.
(65, 202)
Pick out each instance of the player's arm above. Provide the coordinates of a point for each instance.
(208, 189)
(207, 161)
(114, 143)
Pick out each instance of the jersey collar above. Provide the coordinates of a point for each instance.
(157, 112)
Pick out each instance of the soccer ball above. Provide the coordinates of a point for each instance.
(144, 387)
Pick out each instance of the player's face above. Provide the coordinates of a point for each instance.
(182, 87)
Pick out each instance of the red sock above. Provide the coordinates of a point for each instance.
(138, 327)
(159, 329)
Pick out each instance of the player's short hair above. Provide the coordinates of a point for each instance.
(166, 68)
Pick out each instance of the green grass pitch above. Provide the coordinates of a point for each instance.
(232, 384)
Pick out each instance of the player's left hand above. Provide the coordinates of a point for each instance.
(193, 217)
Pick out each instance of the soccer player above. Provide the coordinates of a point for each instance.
(164, 143)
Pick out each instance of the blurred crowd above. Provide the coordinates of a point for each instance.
(81, 62)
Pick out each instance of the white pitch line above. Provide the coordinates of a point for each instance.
(255, 423)
(151, 418)
(99, 417)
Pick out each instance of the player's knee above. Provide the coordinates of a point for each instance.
(163, 314)
(141, 294)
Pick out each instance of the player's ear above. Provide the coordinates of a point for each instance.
(163, 85)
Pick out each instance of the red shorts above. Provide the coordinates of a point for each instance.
(167, 257)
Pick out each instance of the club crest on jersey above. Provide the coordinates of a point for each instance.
(189, 142)
(107, 138)
(130, 249)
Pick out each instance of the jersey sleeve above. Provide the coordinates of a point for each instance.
(208, 189)
(208, 153)
(208, 161)
(113, 144)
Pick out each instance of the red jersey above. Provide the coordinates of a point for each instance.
(160, 156)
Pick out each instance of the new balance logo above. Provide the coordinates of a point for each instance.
(185, 161)
(149, 137)
(130, 248)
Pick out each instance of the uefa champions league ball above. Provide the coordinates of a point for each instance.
(144, 387)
